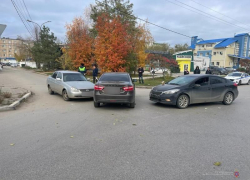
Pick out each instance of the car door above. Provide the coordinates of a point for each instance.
(218, 88)
(52, 80)
(59, 83)
(201, 90)
(245, 78)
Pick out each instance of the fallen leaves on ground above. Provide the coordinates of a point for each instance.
(71, 136)
(217, 163)
(12, 144)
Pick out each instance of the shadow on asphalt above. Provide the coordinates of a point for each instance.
(202, 105)
(75, 100)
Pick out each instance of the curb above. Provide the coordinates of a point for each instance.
(16, 103)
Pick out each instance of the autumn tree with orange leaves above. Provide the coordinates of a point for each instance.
(111, 44)
(80, 42)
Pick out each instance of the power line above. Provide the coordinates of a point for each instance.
(21, 17)
(155, 24)
(220, 13)
(20, 8)
(209, 14)
(28, 13)
(205, 14)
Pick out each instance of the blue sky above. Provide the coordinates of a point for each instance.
(160, 12)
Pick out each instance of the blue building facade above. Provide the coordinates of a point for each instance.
(224, 52)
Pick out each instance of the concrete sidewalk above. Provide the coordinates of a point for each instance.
(15, 92)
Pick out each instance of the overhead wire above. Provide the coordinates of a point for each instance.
(204, 13)
(21, 17)
(221, 13)
(23, 13)
(153, 23)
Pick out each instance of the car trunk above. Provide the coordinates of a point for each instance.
(113, 88)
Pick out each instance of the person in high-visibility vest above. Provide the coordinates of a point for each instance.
(82, 69)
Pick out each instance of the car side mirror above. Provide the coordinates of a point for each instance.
(197, 85)
(134, 80)
(58, 79)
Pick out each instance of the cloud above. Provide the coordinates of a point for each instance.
(160, 12)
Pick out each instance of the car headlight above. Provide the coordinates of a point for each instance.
(172, 91)
(74, 89)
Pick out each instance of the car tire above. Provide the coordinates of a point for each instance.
(228, 98)
(132, 105)
(65, 95)
(239, 82)
(182, 101)
(50, 90)
(96, 104)
(248, 83)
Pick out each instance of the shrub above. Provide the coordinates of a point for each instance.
(241, 69)
(7, 94)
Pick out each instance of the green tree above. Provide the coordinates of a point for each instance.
(46, 50)
(181, 47)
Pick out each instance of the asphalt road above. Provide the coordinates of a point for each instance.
(54, 139)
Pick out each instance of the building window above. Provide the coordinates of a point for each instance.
(212, 63)
(209, 45)
(10, 55)
(221, 53)
(4, 55)
(203, 46)
(214, 53)
(195, 54)
(217, 63)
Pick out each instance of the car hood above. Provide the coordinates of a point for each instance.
(165, 87)
(81, 84)
(232, 77)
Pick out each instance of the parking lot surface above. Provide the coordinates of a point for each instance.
(48, 138)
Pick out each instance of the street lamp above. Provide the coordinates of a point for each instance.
(40, 26)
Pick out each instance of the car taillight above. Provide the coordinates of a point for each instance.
(98, 88)
(235, 84)
(128, 88)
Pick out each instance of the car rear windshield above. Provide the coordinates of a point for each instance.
(73, 77)
(115, 77)
(182, 80)
(234, 74)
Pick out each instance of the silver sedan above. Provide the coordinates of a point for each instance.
(70, 85)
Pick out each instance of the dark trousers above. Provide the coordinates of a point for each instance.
(141, 80)
(94, 79)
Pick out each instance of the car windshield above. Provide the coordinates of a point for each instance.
(182, 80)
(115, 77)
(73, 77)
(234, 74)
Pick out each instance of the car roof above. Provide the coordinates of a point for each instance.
(121, 73)
(65, 71)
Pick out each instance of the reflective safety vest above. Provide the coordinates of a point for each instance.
(81, 69)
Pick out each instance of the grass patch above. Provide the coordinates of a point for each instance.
(153, 82)
(7, 94)
(48, 73)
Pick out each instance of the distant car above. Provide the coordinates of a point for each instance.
(70, 84)
(230, 69)
(192, 89)
(14, 65)
(1, 65)
(239, 78)
(114, 88)
(217, 70)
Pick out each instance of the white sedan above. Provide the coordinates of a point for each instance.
(239, 78)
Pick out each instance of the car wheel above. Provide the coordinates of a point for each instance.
(228, 98)
(50, 90)
(248, 83)
(239, 82)
(132, 105)
(182, 101)
(96, 104)
(65, 95)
